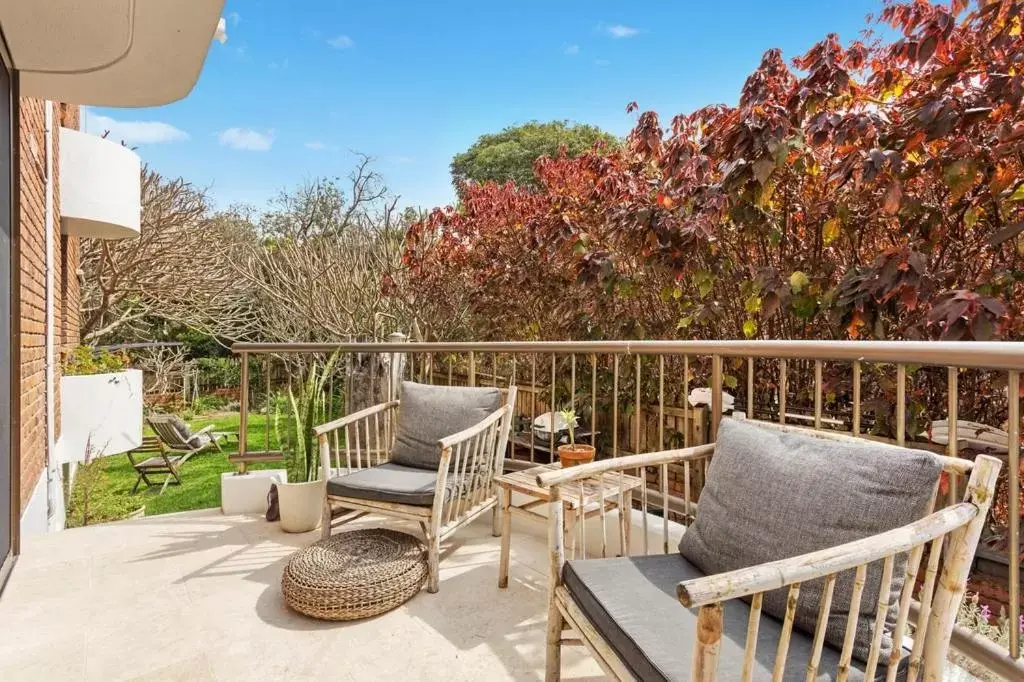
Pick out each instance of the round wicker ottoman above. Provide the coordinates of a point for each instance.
(353, 575)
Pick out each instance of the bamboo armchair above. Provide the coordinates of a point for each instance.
(464, 487)
(948, 538)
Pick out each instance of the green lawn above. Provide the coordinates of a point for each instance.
(110, 496)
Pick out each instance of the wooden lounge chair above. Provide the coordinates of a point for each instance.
(736, 603)
(153, 458)
(176, 436)
(431, 457)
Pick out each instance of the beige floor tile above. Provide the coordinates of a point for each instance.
(197, 596)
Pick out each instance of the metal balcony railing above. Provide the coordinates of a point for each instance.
(634, 395)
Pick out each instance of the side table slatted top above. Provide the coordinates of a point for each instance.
(594, 489)
(587, 499)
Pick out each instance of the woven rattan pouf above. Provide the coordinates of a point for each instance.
(353, 575)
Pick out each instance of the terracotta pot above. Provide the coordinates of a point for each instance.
(571, 455)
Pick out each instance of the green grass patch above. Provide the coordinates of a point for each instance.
(109, 480)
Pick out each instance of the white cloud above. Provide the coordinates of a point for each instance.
(282, 65)
(318, 146)
(246, 139)
(234, 18)
(341, 42)
(401, 160)
(601, 62)
(133, 132)
(572, 49)
(619, 31)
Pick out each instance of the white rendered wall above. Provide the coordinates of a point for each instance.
(100, 414)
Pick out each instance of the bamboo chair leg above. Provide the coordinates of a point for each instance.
(325, 523)
(433, 541)
(553, 662)
(496, 521)
(433, 565)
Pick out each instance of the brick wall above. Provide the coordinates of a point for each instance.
(33, 282)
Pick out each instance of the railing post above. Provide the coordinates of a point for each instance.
(1013, 507)
(243, 409)
(901, 404)
(783, 389)
(716, 395)
(817, 393)
(397, 366)
(952, 419)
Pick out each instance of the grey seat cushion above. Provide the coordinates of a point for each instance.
(391, 482)
(632, 603)
(771, 495)
(429, 413)
(200, 440)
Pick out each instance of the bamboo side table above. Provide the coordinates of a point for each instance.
(603, 493)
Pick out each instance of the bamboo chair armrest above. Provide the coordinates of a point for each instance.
(451, 441)
(559, 477)
(353, 418)
(775, 574)
(443, 467)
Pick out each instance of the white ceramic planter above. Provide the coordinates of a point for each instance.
(301, 505)
(101, 414)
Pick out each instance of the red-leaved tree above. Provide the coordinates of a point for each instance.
(876, 192)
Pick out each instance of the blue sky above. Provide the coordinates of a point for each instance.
(299, 84)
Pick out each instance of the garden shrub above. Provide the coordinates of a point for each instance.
(209, 403)
(86, 360)
(93, 501)
(218, 372)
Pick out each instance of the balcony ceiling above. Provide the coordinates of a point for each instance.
(128, 53)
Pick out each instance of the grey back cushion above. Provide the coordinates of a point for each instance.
(429, 413)
(180, 426)
(772, 495)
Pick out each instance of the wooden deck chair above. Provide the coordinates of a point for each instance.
(176, 436)
(153, 458)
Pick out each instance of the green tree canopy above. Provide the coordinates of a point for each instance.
(509, 155)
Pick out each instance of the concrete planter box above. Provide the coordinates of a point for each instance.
(247, 493)
(100, 414)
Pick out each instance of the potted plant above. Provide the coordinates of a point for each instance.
(301, 500)
(572, 453)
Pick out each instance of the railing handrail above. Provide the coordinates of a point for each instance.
(1007, 355)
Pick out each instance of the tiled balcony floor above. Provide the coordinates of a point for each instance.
(196, 596)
